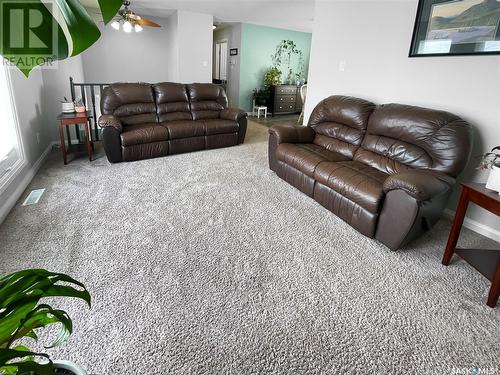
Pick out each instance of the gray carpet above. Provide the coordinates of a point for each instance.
(207, 263)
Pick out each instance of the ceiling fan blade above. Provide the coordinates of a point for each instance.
(144, 22)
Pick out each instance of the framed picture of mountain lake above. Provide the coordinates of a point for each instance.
(460, 27)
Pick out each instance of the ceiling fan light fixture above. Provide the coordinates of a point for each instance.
(127, 26)
(138, 28)
(115, 25)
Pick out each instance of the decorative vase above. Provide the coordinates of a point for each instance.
(493, 182)
(69, 367)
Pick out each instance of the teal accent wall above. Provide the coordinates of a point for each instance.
(258, 44)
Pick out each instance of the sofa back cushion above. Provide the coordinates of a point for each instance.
(401, 137)
(340, 123)
(207, 100)
(172, 102)
(132, 103)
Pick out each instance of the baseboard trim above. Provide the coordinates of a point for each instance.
(29, 173)
(475, 226)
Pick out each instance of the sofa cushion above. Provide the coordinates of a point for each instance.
(207, 100)
(172, 102)
(305, 156)
(184, 129)
(143, 133)
(132, 103)
(219, 126)
(356, 181)
(400, 137)
(340, 123)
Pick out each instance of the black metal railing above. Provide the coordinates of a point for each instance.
(90, 94)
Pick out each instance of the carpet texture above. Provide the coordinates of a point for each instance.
(208, 263)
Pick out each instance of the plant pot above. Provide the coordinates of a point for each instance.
(80, 109)
(68, 368)
(68, 107)
(493, 182)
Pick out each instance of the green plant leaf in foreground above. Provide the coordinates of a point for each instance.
(109, 9)
(25, 364)
(21, 314)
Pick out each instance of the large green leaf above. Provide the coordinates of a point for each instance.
(26, 365)
(81, 27)
(42, 316)
(54, 31)
(109, 9)
(21, 315)
(20, 293)
(31, 284)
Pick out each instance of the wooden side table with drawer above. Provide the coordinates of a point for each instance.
(77, 118)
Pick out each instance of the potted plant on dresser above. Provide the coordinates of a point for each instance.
(21, 315)
(491, 161)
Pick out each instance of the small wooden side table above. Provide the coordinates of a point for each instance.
(487, 262)
(76, 118)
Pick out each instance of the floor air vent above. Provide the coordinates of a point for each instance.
(33, 197)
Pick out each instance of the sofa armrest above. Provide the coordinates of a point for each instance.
(292, 134)
(233, 114)
(419, 184)
(110, 121)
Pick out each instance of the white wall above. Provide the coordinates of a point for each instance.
(179, 51)
(56, 87)
(195, 46)
(172, 46)
(231, 33)
(37, 104)
(129, 57)
(372, 39)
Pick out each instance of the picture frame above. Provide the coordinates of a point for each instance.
(456, 28)
(233, 52)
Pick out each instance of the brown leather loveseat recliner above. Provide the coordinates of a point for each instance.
(386, 170)
(142, 120)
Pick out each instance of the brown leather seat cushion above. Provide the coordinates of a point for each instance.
(184, 129)
(143, 133)
(306, 156)
(356, 181)
(220, 126)
(207, 100)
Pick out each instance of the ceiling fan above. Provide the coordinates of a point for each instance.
(129, 21)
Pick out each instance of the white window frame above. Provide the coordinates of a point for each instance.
(14, 169)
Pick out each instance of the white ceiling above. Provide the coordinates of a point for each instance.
(288, 14)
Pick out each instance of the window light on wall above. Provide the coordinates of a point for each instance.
(10, 150)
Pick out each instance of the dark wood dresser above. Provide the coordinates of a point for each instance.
(285, 99)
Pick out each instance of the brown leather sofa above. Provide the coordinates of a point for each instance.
(142, 120)
(387, 170)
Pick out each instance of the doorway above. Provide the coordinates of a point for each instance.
(220, 62)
